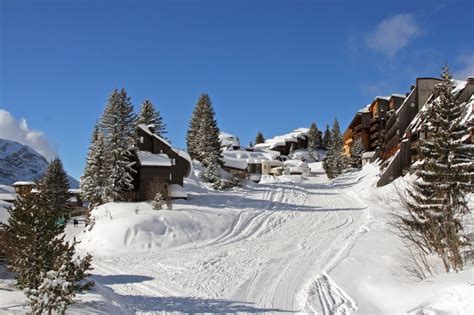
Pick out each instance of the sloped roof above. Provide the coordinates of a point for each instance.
(150, 159)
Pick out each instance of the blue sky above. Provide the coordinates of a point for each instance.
(268, 66)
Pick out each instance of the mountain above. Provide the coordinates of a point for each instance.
(19, 162)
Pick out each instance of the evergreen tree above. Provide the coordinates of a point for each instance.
(96, 184)
(251, 144)
(259, 138)
(149, 115)
(326, 138)
(38, 253)
(203, 134)
(118, 127)
(55, 185)
(438, 200)
(357, 149)
(314, 138)
(335, 162)
(212, 174)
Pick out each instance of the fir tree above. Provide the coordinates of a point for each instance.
(149, 115)
(259, 138)
(314, 138)
(335, 162)
(158, 202)
(55, 185)
(212, 174)
(438, 201)
(38, 252)
(118, 127)
(202, 138)
(326, 138)
(96, 184)
(357, 149)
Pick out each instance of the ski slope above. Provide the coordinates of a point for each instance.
(283, 236)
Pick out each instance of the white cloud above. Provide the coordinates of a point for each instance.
(393, 33)
(467, 67)
(17, 130)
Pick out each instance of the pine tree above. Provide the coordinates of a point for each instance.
(203, 134)
(96, 184)
(437, 202)
(326, 138)
(118, 127)
(158, 202)
(212, 174)
(55, 185)
(39, 254)
(314, 137)
(357, 149)
(259, 138)
(335, 162)
(149, 115)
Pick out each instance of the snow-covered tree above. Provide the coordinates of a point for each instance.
(202, 138)
(55, 185)
(149, 115)
(335, 162)
(259, 138)
(96, 183)
(357, 149)
(314, 141)
(326, 138)
(437, 201)
(211, 173)
(37, 249)
(118, 127)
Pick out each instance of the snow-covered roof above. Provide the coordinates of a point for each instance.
(239, 159)
(365, 109)
(229, 140)
(149, 159)
(399, 95)
(368, 154)
(8, 196)
(181, 153)
(386, 98)
(281, 140)
(75, 191)
(176, 191)
(23, 183)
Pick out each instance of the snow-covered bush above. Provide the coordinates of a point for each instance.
(158, 202)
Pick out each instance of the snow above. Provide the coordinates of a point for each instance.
(283, 139)
(368, 154)
(176, 191)
(229, 140)
(150, 159)
(239, 159)
(291, 244)
(23, 183)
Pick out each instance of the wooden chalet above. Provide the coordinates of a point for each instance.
(159, 167)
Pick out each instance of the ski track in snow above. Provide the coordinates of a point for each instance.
(273, 258)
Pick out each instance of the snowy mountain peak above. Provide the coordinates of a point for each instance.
(19, 162)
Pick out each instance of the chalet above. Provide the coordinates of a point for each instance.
(228, 141)
(159, 167)
(285, 144)
(251, 164)
(410, 118)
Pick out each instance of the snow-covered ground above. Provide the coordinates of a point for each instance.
(289, 244)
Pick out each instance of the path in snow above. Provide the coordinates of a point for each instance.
(273, 257)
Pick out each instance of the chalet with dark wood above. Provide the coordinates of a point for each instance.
(160, 167)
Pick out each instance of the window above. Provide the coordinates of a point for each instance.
(173, 161)
(142, 140)
(171, 177)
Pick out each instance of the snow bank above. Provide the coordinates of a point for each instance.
(136, 227)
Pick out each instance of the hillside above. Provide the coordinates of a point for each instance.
(19, 162)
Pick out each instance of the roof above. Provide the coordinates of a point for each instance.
(398, 95)
(368, 154)
(281, 140)
(239, 159)
(23, 183)
(181, 153)
(149, 159)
